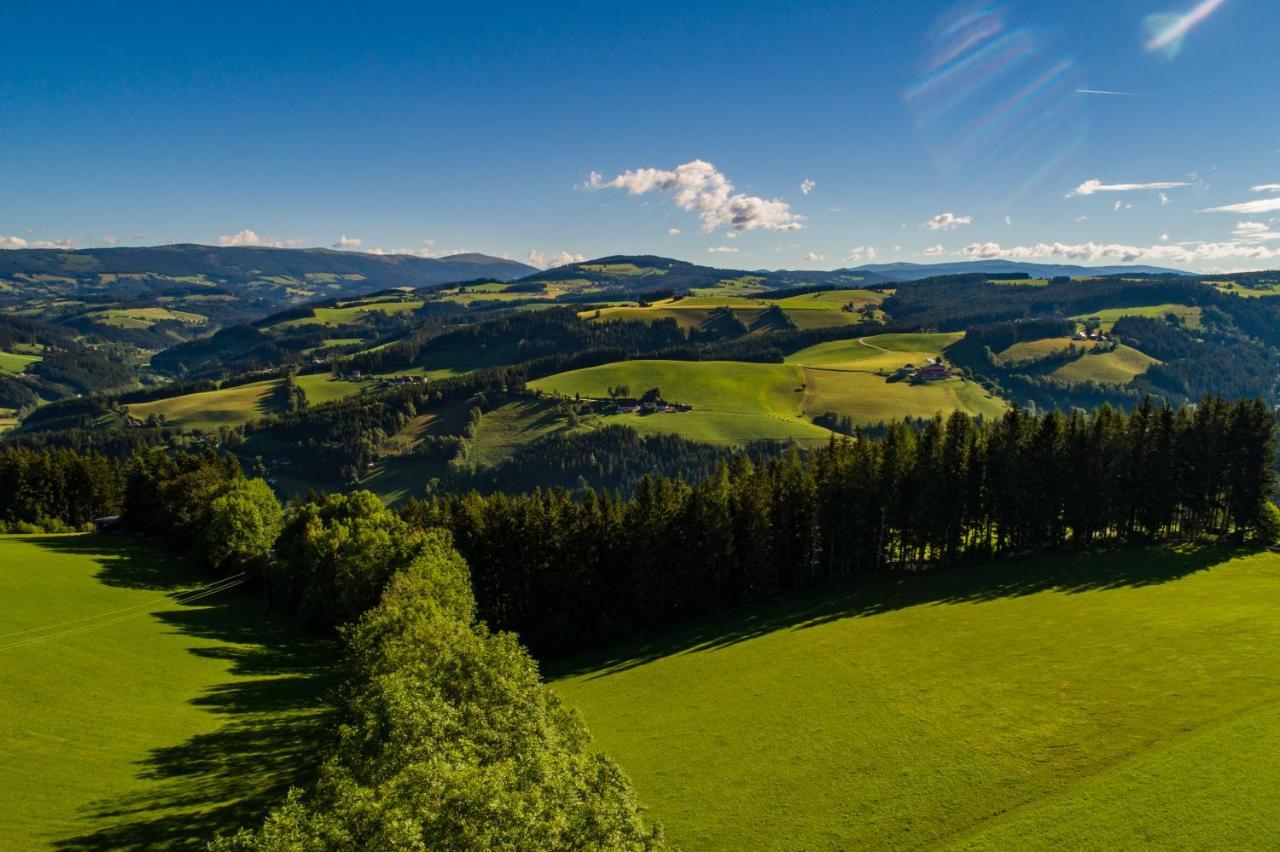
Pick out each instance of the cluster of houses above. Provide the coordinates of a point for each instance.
(1093, 334)
(934, 370)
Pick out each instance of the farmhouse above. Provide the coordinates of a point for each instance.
(931, 373)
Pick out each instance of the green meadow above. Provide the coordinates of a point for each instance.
(134, 716)
(210, 409)
(811, 310)
(16, 362)
(1189, 315)
(1109, 701)
(734, 401)
(1117, 367)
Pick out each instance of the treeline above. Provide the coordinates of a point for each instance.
(1215, 359)
(613, 458)
(58, 490)
(572, 574)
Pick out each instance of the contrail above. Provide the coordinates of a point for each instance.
(1106, 92)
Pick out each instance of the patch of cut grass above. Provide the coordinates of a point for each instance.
(16, 362)
(1117, 367)
(210, 409)
(1120, 700)
(1188, 314)
(133, 719)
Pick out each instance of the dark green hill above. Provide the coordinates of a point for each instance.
(633, 275)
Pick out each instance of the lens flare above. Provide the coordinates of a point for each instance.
(995, 100)
(1166, 32)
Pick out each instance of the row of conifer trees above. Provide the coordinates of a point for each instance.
(569, 574)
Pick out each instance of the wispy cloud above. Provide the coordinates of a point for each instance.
(1090, 187)
(698, 187)
(1266, 187)
(947, 222)
(347, 242)
(1261, 205)
(859, 253)
(934, 250)
(813, 255)
(806, 186)
(721, 250)
(673, 232)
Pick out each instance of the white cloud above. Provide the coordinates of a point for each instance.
(813, 255)
(934, 250)
(110, 240)
(858, 253)
(1082, 218)
(1121, 205)
(249, 237)
(14, 242)
(1262, 205)
(347, 242)
(1255, 231)
(947, 222)
(722, 250)
(699, 188)
(556, 258)
(1164, 238)
(1164, 199)
(673, 232)
(1266, 187)
(1008, 220)
(1089, 187)
(1114, 252)
(806, 186)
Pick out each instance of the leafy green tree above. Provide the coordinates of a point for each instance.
(242, 526)
(450, 741)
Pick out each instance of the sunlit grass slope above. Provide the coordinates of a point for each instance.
(1117, 367)
(1125, 700)
(210, 409)
(733, 401)
(130, 719)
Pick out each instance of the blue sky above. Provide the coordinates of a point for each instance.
(929, 131)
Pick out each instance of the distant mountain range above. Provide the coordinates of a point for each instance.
(916, 271)
(239, 264)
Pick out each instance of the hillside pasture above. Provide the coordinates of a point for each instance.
(1117, 367)
(326, 387)
(144, 317)
(733, 401)
(1034, 350)
(351, 313)
(1189, 315)
(138, 717)
(812, 310)
(210, 409)
(1107, 701)
(17, 362)
(880, 352)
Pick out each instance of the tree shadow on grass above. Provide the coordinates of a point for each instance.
(272, 711)
(971, 583)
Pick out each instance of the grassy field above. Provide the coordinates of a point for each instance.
(1114, 701)
(352, 312)
(733, 401)
(812, 310)
(16, 362)
(131, 719)
(1189, 315)
(736, 401)
(211, 409)
(508, 427)
(325, 387)
(144, 317)
(1118, 367)
(1031, 350)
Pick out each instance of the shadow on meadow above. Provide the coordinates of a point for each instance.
(271, 707)
(970, 583)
